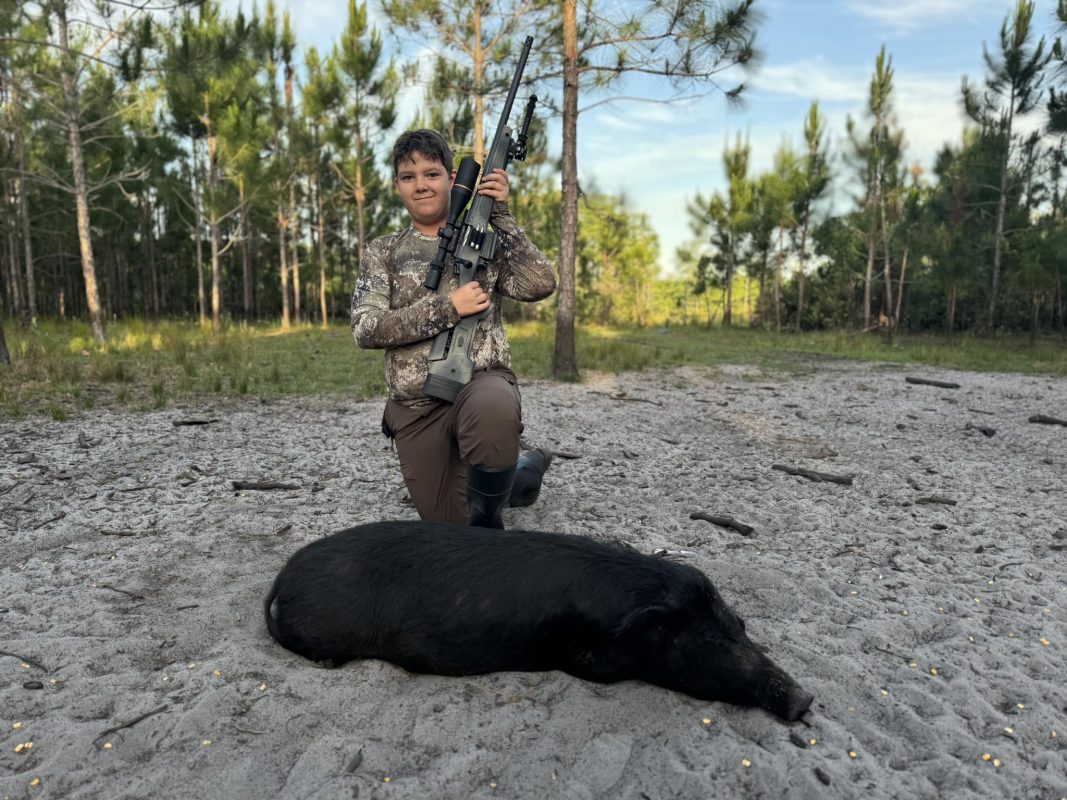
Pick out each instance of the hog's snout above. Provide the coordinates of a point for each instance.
(778, 693)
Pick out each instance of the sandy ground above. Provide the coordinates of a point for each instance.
(136, 661)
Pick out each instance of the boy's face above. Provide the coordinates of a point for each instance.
(424, 187)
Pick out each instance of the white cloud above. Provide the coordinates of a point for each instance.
(812, 79)
(908, 15)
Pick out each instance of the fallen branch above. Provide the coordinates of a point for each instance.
(57, 517)
(628, 398)
(262, 485)
(118, 533)
(930, 382)
(131, 722)
(935, 498)
(1044, 420)
(812, 475)
(121, 591)
(25, 660)
(724, 522)
(180, 422)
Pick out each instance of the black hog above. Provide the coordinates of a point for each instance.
(455, 600)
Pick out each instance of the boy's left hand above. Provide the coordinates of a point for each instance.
(495, 185)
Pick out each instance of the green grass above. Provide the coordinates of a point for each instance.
(617, 350)
(57, 370)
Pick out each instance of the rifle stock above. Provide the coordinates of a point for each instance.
(451, 366)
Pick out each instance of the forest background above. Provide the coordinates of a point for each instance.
(180, 160)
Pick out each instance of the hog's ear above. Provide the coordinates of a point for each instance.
(647, 620)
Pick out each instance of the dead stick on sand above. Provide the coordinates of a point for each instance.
(118, 533)
(180, 422)
(122, 591)
(262, 485)
(891, 653)
(812, 475)
(131, 722)
(936, 498)
(929, 382)
(628, 398)
(29, 661)
(1044, 420)
(724, 522)
(57, 517)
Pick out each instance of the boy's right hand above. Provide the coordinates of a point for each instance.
(469, 299)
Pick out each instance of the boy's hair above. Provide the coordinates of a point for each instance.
(427, 143)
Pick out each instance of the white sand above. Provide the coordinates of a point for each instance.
(920, 628)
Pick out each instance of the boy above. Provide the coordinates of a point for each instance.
(460, 460)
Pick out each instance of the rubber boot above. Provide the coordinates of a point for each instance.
(487, 494)
(529, 471)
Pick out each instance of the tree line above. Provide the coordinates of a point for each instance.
(162, 157)
(165, 158)
(980, 244)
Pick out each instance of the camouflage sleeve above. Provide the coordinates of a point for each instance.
(525, 272)
(375, 323)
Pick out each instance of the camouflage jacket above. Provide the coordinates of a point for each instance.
(393, 310)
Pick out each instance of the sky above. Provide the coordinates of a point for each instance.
(660, 156)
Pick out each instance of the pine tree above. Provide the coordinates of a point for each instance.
(813, 185)
(685, 42)
(206, 70)
(724, 218)
(370, 84)
(1013, 88)
(877, 154)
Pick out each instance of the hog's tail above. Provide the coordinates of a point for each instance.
(272, 622)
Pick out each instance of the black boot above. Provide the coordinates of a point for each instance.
(530, 469)
(487, 494)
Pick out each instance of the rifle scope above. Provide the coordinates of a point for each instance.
(462, 189)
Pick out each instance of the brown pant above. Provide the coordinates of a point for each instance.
(435, 443)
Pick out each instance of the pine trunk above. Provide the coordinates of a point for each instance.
(478, 68)
(321, 224)
(294, 259)
(727, 313)
(213, 224)
(246, 256)
(283, 266)
(778, 280)
(1002, 205)
(24, 208)
(800, 271)
(900, 285)
(888, 260)
(198, 236)
(81, 187)
(950, 310)
(565, 361)
(5, 357)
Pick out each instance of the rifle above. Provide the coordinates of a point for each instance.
(466, 240)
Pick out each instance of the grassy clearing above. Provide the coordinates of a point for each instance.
(57, 369)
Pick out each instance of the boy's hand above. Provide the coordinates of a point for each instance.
(495, 185)
(470, 299)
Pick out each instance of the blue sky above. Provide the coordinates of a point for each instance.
(660, 155)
